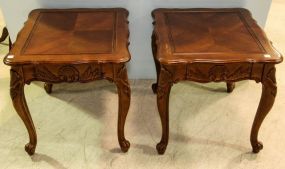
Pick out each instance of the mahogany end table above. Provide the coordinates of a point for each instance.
(71, 45)
(212, 45)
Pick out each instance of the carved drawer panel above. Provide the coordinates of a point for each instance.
(207, 72)
(68, 73)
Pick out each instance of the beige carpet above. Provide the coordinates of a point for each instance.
(210, 129)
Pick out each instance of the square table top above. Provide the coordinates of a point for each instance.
(72, 36)
(210, 35)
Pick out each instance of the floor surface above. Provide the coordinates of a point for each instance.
(76, 125)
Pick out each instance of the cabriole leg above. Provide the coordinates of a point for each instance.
(269, 91)
(20, 105)
(124, 93)
(163, 91)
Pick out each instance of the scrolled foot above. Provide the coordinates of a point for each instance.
(125, 145)
(154, 88)
(48, 87)
(30, 149)
(257, 147)
(161, 147)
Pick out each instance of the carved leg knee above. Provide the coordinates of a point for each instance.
(157, 64)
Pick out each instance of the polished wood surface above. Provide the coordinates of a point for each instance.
(74, 45)
(220, 35)
(212, 45)
(74, 36)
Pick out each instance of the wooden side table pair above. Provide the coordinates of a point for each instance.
(82, 45)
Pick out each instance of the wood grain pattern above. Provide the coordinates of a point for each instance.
(212, 45)
(73, 45)
(68, 35)
(216, 35)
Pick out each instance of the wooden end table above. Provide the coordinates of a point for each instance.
(71, 45)
(212, 45)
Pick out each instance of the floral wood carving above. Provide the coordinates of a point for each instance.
(270, 80)
(218, 73)
(43, 73)
(165, 82)
(15, 83)
(122, 79)
(68, 73)
(92, 73)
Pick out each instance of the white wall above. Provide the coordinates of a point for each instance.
(141, 65)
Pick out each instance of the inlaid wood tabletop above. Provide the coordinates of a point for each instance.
(74, 35)
(219, 35)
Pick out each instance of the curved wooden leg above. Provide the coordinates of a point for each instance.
(269, 91)
(10, 44)
(48, 87)
(163, 91)
(157, 65)
(124, 93)
(230, 86)
(19, 102)
(4, 35)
